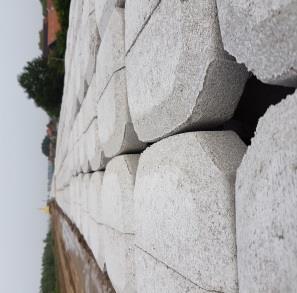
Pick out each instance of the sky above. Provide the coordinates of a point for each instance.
(23, 169)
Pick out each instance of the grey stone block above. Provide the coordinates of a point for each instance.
(117, 193)
(263, 36)
(104, 10)
(137, 14)
(80, 86)
(85, 183)
(178, 75)
(184, 206)
(153, 276)
(95, 154)
(83, 159)
(111, 55)
(119, 258)
(116, 131)
(89, 109)
(95, 199)
(84, 228)
(96, 236)
(90, 46)
(266, 204)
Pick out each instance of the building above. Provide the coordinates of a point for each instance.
(51, 27)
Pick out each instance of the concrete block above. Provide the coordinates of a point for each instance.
(266, 204)
(95, 154)
(119, 258)
(76, 158)
(263, 36)
(95, 196)
(104, 10)
(89, 108)
(111, 55)
(96, 236)
(153, 276)
(117, 193)
(85, 183)
(116, 131)
(137, 14)
(80, 86)
(84, 228)
(184, 206)
(83, 159)
(173, 71)
(91, 43)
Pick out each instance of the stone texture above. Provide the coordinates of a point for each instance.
(90, 48)
(84, 191)
(116, 131)
(137, 14)
(94, 151)
(96, 236)
(83, 159)
(266, 204)
(95, 199)
(104, 10)
(184, 206)
(263, 35)
(119, 257)
(111, 55)
(153, 276)
(79, 83)
(117, 193)
(178, 75)
(89, 110)
(84, 228)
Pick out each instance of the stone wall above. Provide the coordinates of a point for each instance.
(151, 163)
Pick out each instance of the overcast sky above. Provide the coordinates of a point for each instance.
(23, 169)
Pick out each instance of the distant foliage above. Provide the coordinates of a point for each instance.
(44, 6)
(43, 78)
(45, 146)
(49, 278)
(44, 84)
(62, 8)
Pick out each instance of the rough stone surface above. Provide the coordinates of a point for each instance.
(111, 55)
(89, 110)
(96, 236)
(137, 14)
(266, 204)
(94, 151)
(90, 48)
(178, 75)
(119, 257)
(184, 206)
(116, 131)
(104, 10)
(95, 199)
(84, 228)
(117, 193)
(83, 159)
(153, 276)
(263, 35)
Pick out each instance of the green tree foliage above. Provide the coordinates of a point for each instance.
(62, 7)
(43, 79)
(49, 280)
(44, 84)
(45, 146)
(43, 4)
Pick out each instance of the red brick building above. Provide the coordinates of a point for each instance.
(53, 23)
(51, 27)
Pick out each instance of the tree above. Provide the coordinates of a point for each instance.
(49, 278)
(44, 84)
(45, 146)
